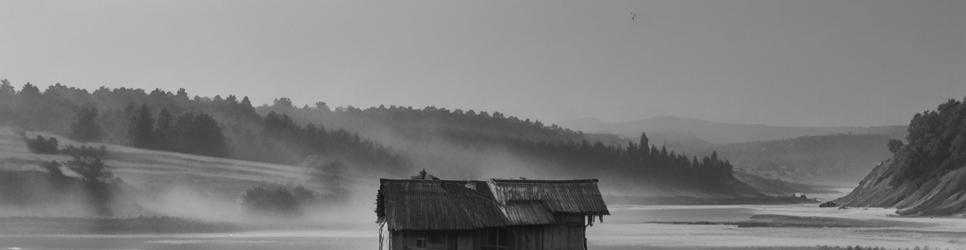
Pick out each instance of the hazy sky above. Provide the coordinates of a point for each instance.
(774, 62)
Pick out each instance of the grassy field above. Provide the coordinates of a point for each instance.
(149, 168)
(181, 185)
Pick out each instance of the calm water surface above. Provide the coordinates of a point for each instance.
(627, 229)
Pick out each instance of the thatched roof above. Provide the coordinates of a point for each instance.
(560, 196)
(527, 213)
(436, 204)
(421, 204)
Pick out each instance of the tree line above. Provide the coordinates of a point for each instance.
(566, 150)
(312, 139)
(188, 133)
(420, 123)
(935, 145)
(282, 133)
(215, 126)
(640, 161)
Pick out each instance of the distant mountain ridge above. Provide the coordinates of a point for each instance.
(833, 160)
(826, 156)
(673, 127)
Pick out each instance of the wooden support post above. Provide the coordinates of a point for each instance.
(381, 226)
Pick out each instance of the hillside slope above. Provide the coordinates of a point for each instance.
(172, 184)
(474, 145)
(925, 176)
(150, 165)
(174, 121)
(207, 188)
(945, 195)
(379, 141)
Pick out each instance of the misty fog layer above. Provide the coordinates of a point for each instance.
(220, 159)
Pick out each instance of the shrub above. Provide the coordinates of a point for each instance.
(270, 201)
(88, 162)
(41, 145)
(53, 170)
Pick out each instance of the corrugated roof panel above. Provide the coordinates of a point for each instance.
(434, 204)
(528, 213)
(560, 196)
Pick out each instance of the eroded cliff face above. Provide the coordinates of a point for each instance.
(926, 176)
(943, 195)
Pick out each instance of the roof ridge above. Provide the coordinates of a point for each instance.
(425, 180)
(496, 180)
(546, 181)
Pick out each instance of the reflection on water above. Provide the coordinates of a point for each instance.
(625, 230)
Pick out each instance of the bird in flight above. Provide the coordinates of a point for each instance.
(633, 17)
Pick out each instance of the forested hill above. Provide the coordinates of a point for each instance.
(471, 144)
(381, 141)
(412, 122)
(224, 127)
(926, 176)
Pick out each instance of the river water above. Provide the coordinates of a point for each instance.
(631, 227)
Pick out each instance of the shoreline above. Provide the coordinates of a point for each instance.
(685, 200)
(777, 220)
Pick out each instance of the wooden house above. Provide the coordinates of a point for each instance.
(499, 214)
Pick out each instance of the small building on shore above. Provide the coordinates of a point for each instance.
(426, 213)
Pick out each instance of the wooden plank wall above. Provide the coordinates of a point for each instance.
(545, 237)
(563, 237)
(396, 240)
(526, 238)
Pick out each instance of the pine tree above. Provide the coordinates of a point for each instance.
(85, 128)
(164, 134)
(645, 148)
(141, 129)
(182, 94)
(247, 108)
(7, 89)
(29, 91)
(205, 137)
(164, 120)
